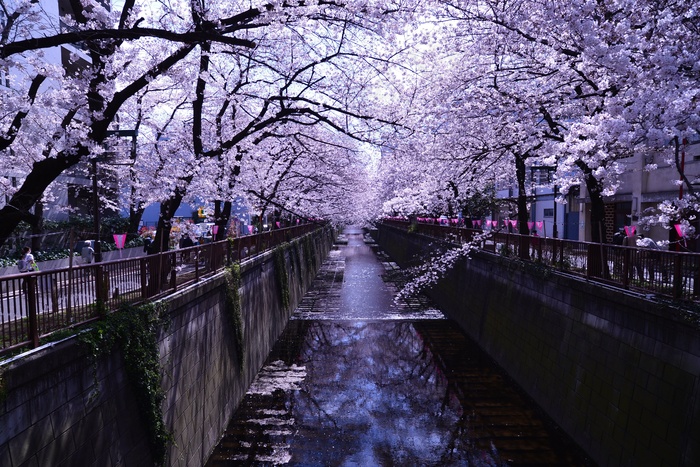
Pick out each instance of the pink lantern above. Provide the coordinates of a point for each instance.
(513, 223)
(530, 225)
(277, 224)
(214, 229)
(631, 230)
(679, 230)
(540, 224)
(250, 229)
(119, 240)
(478, 222)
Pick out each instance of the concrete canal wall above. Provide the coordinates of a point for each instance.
(619, 373)
(59, 406)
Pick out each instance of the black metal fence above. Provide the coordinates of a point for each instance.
(654, 271)
(33, 305)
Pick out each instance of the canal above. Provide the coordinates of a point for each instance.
(356, 379)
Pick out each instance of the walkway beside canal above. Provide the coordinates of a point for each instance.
(357, 379)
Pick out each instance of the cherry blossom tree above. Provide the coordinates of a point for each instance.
(236, 73)
(579, 85)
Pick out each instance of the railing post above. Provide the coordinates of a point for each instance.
(106, 285)
(69, 296)
(99, 291)
(30, 281)
(524, 246)
(197, 255)
(626, 268)
(561, 252)
(144, 278)
(173, 271)
(677, 277)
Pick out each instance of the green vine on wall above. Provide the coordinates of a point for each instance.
(309, 252)
(133, 329)
(232, 275)
(296, 254)
(282, 276)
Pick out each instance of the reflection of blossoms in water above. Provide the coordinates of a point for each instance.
(377, 391)
(379, 397)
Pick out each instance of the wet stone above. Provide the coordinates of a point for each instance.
(356, 379)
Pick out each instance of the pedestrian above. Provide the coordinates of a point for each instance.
(635, 266)
(186, 242)
(653, 259)
(87, 252)
(619, 237)
(26, 262)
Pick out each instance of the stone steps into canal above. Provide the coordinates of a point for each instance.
(359, 379)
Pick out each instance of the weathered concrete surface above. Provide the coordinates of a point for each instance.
(60, 408)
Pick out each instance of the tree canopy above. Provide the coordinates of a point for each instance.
(345, 110)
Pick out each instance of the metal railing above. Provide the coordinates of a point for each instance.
(33, 305)
(653, 271)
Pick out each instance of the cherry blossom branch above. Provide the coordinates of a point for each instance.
(91, 35)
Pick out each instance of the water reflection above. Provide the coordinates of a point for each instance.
(356, 379)
(385, 393)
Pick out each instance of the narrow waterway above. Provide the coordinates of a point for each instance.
(357, 380)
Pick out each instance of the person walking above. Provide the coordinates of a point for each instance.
(26, 262)
(635, 266)
(88, 253)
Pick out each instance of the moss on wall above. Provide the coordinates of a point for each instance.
(232, 275)
(133, 330)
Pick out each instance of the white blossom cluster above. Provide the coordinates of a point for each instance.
(426, 275)
(346, 109)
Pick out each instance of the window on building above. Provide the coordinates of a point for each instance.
(548, 212)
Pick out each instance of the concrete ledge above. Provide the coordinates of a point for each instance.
(618, 372)
(62, 408)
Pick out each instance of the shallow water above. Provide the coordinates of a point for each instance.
(356, 379)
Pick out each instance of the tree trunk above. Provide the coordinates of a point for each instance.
(43, 173)
(221, 218)
(597, 262)
(135, 215)
(38, 226)
(167, 210)
(159, 266)
(520, 174)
